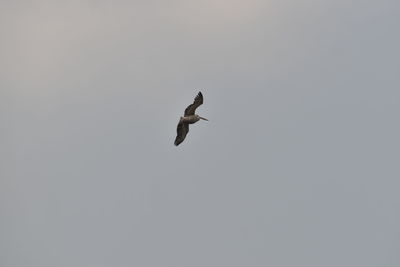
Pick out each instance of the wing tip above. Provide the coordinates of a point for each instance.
(176, 143)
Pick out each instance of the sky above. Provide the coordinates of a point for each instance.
(297, 167)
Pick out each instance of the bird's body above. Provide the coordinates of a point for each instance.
(188, 118)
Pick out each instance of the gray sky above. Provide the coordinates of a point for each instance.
(298, 166)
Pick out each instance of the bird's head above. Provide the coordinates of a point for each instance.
(201, 118)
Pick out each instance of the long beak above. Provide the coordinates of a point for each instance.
(203, 118)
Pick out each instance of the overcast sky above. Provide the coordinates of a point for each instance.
(299, 165)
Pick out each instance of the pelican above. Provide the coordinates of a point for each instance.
(189, 118)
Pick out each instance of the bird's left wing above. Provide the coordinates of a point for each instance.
(181, 131)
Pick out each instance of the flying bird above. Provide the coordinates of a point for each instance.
(189, 118)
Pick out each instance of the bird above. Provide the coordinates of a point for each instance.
(189, 118)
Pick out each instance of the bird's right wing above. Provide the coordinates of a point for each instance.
(198, 100)
(181, 131)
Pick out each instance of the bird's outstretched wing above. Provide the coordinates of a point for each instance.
(181, 131)
(198, 100)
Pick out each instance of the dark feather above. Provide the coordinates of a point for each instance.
(198, 100)
(181, 131)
